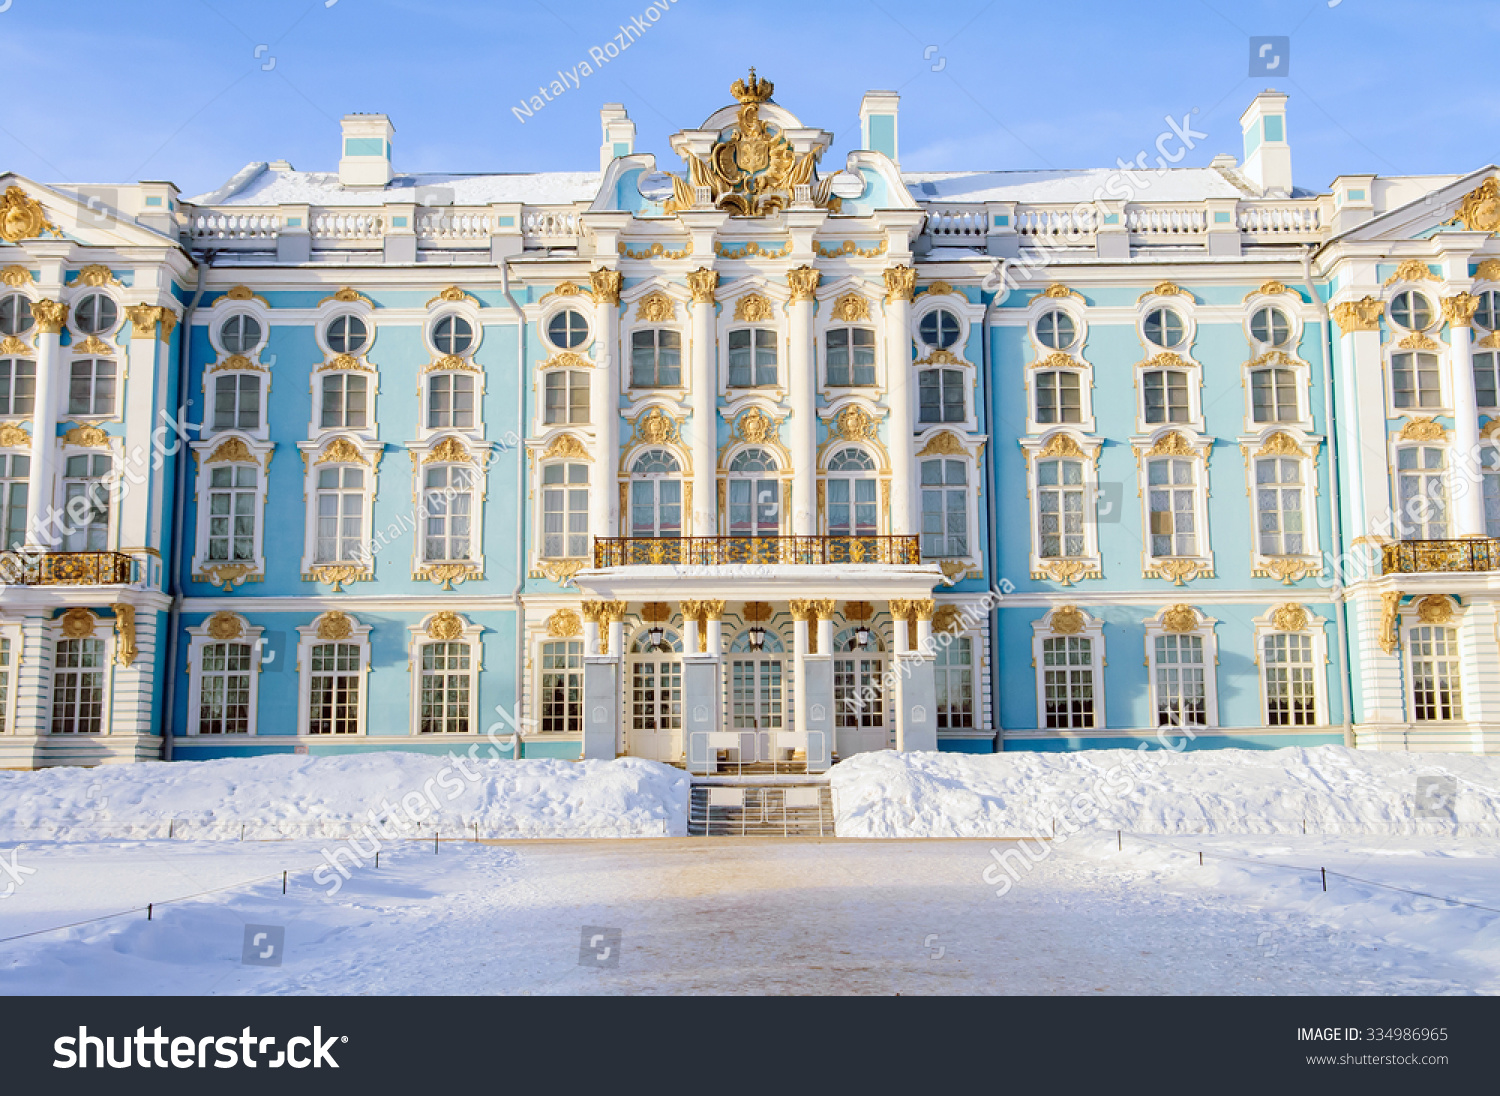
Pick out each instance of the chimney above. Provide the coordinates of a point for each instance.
(877, 123)
(619, 133)
(366, 159)
(1268, 157)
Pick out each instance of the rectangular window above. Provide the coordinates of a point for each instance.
(945, 513)
(1291, 688)
(567, 397)
(1173, 507)
(941, 394)
(450, 402)
(345, 402)
(1486, 378)
(86, 503)
(1181, 696)
(1059, 397)
(1423, 490)
(1490, 463)
(1166, 392)
(335, 689)
(851, 357)
(15, 471)
(1414, 380)
(231, 513)
(17, 386)
(1273, 395)
(341, 509)
(954, 671)
(237, 403)
(1278, 506)
(852, 508)
(446, 682)
(448, 499)
(565, 511)
(224, 693)
(752, 358)
(5, 686)
(78, 687)
(754, 507)
(655, 359)
(562, 687)
(91, 388)
(1060, 508)
(1068, 682)
(1436, 691)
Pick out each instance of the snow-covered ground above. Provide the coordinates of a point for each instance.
(1087, 911)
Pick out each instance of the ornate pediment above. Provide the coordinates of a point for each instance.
(753, 170)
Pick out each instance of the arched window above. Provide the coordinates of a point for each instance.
(1422, 488)
(941, 394)
(656, 495)
(770, 644)
(671, 643)
(850, 357)
(852, 491)
(848, 640)
(1273, 395)
(1166, 395)
(754, 495)
(752, 357)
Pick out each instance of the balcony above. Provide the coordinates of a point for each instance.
(24, 568)
(1414, 557)
(728, 551)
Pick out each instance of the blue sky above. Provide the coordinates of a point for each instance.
(192, 90)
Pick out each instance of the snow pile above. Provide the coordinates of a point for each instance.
(309, 797)
(1327, 790)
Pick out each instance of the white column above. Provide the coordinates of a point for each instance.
(590, 636)
(825, 632)
(900, 284)
(604, 404)
(713, 611)
(617, 635)
(1468, 495)
(803, 382)
(1366, 460)
(689, 633)
(899, 617)
(801, 610)
(50, 317)
(703, 522)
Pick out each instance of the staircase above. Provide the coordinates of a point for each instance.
(775, 807)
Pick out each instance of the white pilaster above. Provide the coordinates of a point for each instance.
(802, 379)
(50, 317)
(1468, 496)
(604, 400)
(900, 283)
(704, 518)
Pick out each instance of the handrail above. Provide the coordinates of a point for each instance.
(25, 568)
(1418, 556)
(722, 551)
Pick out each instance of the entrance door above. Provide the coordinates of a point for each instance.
(757, 694)
(655, 728)
(859, 700)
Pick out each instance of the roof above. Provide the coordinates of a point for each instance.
(271, 186)
(1068, 186)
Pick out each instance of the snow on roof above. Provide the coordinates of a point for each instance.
(1181, 184)
(270, 186)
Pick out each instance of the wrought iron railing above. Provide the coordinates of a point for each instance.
(1417, 556)
(26, 568)
(721, 551)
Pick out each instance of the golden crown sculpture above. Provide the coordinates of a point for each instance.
(753, 91)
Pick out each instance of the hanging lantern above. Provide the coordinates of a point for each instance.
(657, 634)
(757, 637)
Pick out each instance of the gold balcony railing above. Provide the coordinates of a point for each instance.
(25, 568)
(1409, 557)
(721, 551)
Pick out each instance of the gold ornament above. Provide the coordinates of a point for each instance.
(656, 427)
(564, 624)
(1290, 617)
(13, 436)
(1179, 618)
(1458, 310)
(1480, 209)
(1361, 315)
(95, 274)
(850, 308)
(232, 450)
(568, 447)
(15, 275)
(341, 451)
(87, 437)
(1411, 270)
(900, 284)
(22, 217)
(1423, 429)
(448, 451)
(1390, 607)
(702, 283)
(605, 285)
(1435, 609)
(1061, 445)
(656, 307)
(445, 626)
(224, 626)
(125, 648)
(1067, 620)
(77, 624)
(944, 443)
(755, 426)
(854, 423)
(335, 625)
(50, 316)
(803, 281)
(752, 308)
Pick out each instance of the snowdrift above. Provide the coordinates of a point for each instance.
(309, 797)
(1329, 790)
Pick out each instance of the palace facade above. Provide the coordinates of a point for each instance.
(748, 456)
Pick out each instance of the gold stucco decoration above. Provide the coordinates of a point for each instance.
(752, 308)
(850, 308)
(335, 625)
(1435, 609)
(702, 283)
(125, 648)
(569, 447)
(1480, 209)
(22, 217)
(564, 624)
(656, 307)
(225, 626)
(445, 626)
(77, 624)
(900, 284)
(1179, 618)
(1290, 617)
(1361, 315)
(1067, 620)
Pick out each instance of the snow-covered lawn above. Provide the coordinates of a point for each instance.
(1086, 911)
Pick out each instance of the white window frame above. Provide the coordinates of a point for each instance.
(12, 671)
(104, 632)
(114, 358)
(1410, 617)
(421, 635)
(198, 639)
(308, 638)
(1092, 629)
(781, 474)
(1439, 353)
(332, 309)
(316, 429)
(1281, 444)
(1057, 362)
(1302, 378)
(424, 395)
(1064, 445)
(1290, 304)
(881, 474)
(222, 309)
(114, 490)
(211, 378)
(1403, 529)
(580, 368)
(628, 478)
(929, 447)
(1181, 303)
(362, 453)
(1203, 628)
(1314, 626)
(81, 291)
(1189, 447)
(731, 295)
(211, 453)
(538, 649)
(955, 303)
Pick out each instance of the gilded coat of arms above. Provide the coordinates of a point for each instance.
(21, 217)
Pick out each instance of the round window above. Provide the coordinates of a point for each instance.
(1164, 328)
(96, 314)
(568, 329)
(939, 328)
(1487, 314)
(1056, 330)
(347, 335)
(1411, 310)
(240, 334)
(453, 335)
(15, 314)
(1271, 326)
